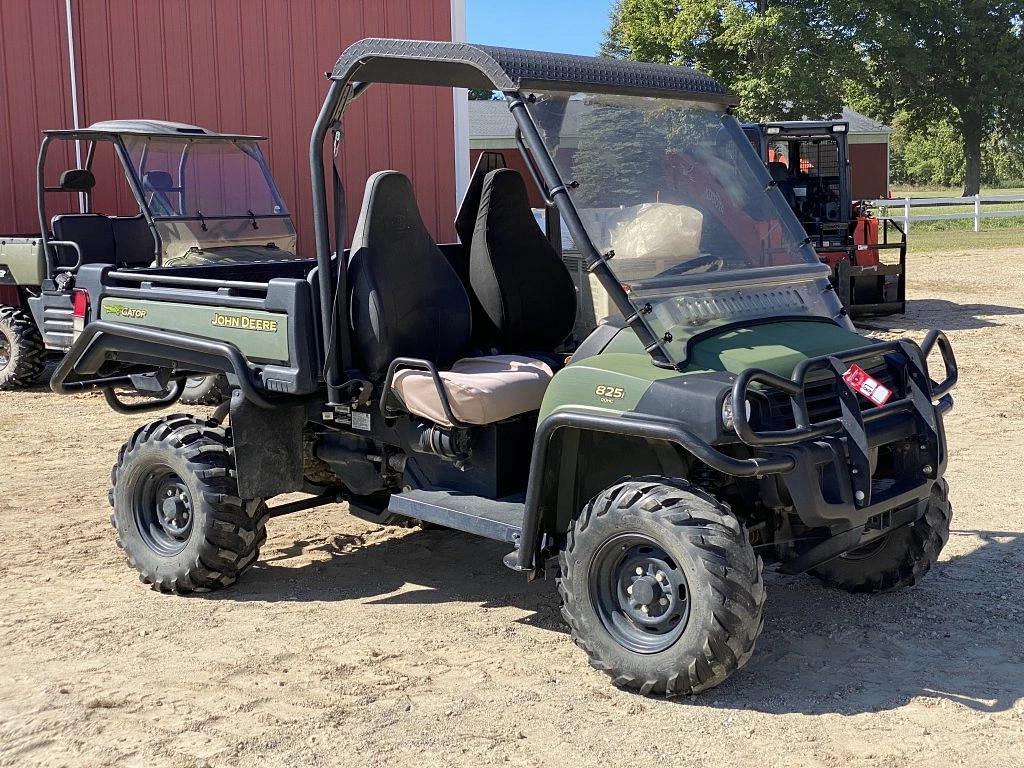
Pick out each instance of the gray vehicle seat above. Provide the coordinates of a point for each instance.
(524, 288)
(481, 390)
(407, 301)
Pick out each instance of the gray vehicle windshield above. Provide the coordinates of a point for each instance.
(674, 190)
(212, 201)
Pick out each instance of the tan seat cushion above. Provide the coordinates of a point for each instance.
(481, 390)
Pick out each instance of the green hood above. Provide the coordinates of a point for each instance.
(774, 347)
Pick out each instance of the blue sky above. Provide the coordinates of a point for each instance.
(565, 26)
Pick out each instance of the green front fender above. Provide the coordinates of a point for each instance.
(610, 383)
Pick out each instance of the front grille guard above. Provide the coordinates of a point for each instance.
(921, 396)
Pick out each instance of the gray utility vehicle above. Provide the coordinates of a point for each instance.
(202, 197)
(647, 468)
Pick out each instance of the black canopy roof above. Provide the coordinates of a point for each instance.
(425, 62)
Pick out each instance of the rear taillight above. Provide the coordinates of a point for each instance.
(79, 303)
(79, 310)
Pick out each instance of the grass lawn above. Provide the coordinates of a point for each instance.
(922, 241)
(912, 191)
(958, 235)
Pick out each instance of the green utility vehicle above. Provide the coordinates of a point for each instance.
(202, 198)
(649, 468)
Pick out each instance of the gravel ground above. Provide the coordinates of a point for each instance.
(349, 644)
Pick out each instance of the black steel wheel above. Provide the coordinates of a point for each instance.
(640, 592)
(22, 353)
(163, 511)
(177, 513)
(206, 390)
(898, 559)
(661, 587)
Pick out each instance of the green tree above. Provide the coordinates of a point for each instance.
(618, 160)
(933, 155)
(960, 61)
(483, 94)
(930, 155)
(785, 59)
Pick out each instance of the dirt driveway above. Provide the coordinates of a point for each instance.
(349, 644)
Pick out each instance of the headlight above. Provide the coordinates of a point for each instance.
(728, 412)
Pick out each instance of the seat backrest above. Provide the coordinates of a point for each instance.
(522, 285)
(469, 209)
(779, 171)
(158, 186)
(784, 180)
(93, 233)
(77, 180)
(134, 242)
(406, 299)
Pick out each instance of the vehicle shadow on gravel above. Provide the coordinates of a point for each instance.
(432, 566)
(955, 636)
(925, 314)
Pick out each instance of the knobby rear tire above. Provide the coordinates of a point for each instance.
(27, 353)
(226, 531)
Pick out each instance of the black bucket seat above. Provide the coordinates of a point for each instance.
(407, 301)
(524, 288)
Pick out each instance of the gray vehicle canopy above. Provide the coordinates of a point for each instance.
(205, 197)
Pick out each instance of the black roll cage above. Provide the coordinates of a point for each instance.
(510, 71)
(465, 66)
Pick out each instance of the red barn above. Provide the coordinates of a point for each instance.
(239, 66)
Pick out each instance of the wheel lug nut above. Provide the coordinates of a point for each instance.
(660, 577)
(639, 571)
(629, 590)
(663, 601)
(643, 608)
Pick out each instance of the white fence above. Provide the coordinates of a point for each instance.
(887, 208)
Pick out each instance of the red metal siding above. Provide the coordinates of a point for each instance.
(253, 66)
(870, 170)
(34, 95)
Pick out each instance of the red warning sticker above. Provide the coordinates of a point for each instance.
(861, 381)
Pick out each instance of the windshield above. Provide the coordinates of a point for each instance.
(189, 178)
(212, 200)
(675, 195)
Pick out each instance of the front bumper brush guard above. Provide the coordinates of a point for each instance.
(922, 397)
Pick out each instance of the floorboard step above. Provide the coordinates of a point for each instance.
(498, 519)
